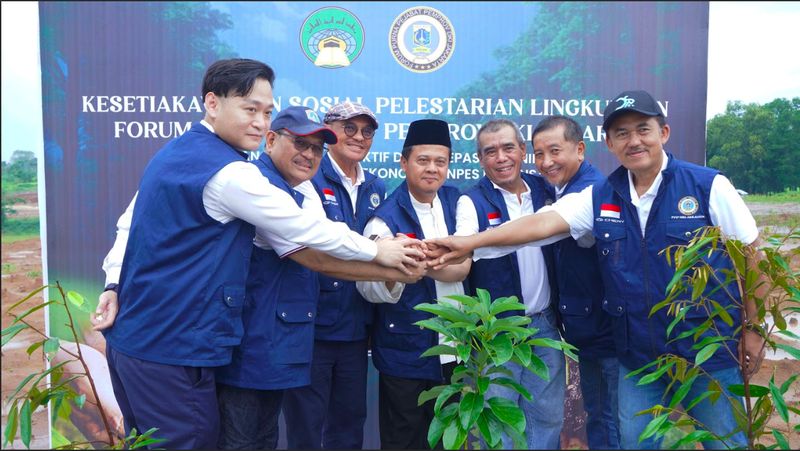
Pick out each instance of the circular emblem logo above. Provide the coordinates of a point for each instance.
(375, 199)
(332, 37)
(422, 39)
(688, 205)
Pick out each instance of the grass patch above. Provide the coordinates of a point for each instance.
(34, 274)
(9, 268)
(9, 238)
(21, 226)
(788, 220)
(788, 195)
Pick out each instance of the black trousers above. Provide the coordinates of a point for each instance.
(403, 424)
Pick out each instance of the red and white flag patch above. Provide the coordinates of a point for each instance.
(329, 195)
(609, 211)
(494, 218)
(411, 235)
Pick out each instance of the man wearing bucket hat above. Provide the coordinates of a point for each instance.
(422, 206)
(180, 259)
(331, 411)
(652, 201)
(282, 292)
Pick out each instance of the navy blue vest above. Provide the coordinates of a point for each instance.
(181, 288)
(500, 276)
(635, 275)
(580, 285)
(342, 314)
(278, 316)
(396, 342)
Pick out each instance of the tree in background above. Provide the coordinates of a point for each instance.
(757, 146)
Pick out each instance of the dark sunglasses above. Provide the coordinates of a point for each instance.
(351, 129)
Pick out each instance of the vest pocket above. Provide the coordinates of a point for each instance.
(227, 329)
(610, 244)
(293, 337)
(680, 232)
(574, 306)
(616, 308)
(401, 333)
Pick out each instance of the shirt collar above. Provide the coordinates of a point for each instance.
(509, 193)
(208, 126)
(422, 206)
(653, 190)
(344, 177)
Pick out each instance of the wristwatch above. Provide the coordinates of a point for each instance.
(112, 287)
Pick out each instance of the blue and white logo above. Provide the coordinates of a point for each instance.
(422, 39)
(688, 205)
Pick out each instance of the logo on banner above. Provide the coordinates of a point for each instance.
(609, 211)
(422, 39)
(332, 37)
(688, 205)
(494, 218)
(329, 195)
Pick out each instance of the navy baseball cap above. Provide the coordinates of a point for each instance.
(638, 101)
(302, 121)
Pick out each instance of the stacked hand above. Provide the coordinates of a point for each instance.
(402, 253)
(447, 251)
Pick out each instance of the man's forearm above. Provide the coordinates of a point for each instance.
(341, 269)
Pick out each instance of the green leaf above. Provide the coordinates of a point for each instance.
(11, 331)
(11, 424)
(501, 348)
(653, 426)
(539, 368)
(464, 351)
(788, 383)
(445, 311)
(505, 305)
(466, 300)
(484, 297)
(789, 334)
(80, 401)
(722, 312)
(435, 431)
(439, 350)
(453, 436)
(777, 317)
(25, 423)
(511, 383)
(777, 399)
(692, 438)
(76, 299)
(756, 391)
(706, 353)
(780, 439)
(469, 409)
(523, 353)
(436, 326)
(483, 384)
(27, 296)
(31, 310)
(447, 393)
(682, 391)
(655, 375)
(51, 346)
(486, 432)
(508, 412)
(427, 395)
(34, 347)
(678, 318)
(794, 352)
(21, 385)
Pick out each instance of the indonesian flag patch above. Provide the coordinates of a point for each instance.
(609, 211)
(329, 196)
(494, 218)
(411, 235)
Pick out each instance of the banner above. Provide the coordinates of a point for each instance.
(121, 79)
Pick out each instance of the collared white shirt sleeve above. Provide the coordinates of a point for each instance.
(576, 210)
(730, 213)
(112, 263)
(376, 292)
(282, 246)
(239, 190)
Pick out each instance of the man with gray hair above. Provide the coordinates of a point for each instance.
(505, 194)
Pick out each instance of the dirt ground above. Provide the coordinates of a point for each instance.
(22, 271)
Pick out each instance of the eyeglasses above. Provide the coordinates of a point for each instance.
(301, 145)
(351, 129)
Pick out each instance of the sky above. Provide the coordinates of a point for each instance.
(751, 47)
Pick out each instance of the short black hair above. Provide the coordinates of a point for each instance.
(572, 131)
(235, 76)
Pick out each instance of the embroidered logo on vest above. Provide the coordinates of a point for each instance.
(688, 205)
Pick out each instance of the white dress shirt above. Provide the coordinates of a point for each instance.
(352, 188)
(431, 219)
(239, 190)
(532, 269)
(726, 208)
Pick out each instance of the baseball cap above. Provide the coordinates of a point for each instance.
(346, 110)
(302, 121)
(638, 101)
